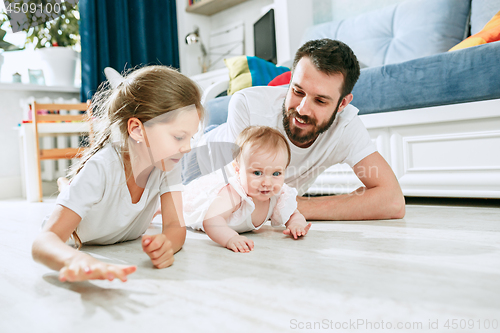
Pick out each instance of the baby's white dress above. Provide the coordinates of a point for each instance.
(200, 193)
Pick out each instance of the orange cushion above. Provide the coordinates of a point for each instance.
(490, 33)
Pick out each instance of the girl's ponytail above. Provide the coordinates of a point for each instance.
(145, 94)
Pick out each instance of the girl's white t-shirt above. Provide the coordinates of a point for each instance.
(346, 141)
(100, 196)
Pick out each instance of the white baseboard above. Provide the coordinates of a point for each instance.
(11, 188)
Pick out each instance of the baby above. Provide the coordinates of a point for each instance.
(255, 195)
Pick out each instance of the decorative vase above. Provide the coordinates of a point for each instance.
(58, 65)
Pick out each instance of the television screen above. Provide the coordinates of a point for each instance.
(265, 37)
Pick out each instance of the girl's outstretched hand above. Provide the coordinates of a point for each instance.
(239, 243)
(85, 267)
(297, 229)
(159, 249)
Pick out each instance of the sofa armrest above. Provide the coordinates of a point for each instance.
(214, 90)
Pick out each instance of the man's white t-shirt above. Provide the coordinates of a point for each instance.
(346, 141)
(100, 196)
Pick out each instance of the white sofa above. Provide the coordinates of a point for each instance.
(450, 150)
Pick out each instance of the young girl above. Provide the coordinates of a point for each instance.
(116, 188)
(255, 195)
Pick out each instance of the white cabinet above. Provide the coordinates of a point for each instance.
(444, 151)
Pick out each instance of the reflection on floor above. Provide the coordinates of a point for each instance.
(441, 262)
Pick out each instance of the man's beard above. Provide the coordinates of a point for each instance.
(298, 135)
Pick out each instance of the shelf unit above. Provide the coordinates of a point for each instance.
(210, 7)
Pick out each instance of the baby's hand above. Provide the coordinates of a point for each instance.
(84, 267)
(239, 243)
(297, 229)
(159, 249)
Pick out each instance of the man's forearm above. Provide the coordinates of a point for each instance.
(363, 204)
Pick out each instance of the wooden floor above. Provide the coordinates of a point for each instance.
(437, 268)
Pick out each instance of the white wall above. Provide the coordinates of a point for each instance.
(292, 18)
(189, 54)
(248, 12)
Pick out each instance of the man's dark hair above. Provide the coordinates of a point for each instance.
(331, 57)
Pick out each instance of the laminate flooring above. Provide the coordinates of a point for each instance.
(438, 270)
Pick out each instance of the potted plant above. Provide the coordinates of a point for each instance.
(55, 38)
(63, 31)
(5, 46)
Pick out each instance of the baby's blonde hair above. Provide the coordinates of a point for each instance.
(145, 93)
(262, 138)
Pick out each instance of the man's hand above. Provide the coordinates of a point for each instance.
(381, 197)
(159, 249)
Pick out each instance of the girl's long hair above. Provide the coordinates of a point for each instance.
(145, 93)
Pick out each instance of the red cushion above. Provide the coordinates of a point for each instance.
(281, 79)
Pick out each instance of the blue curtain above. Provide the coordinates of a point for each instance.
(123, 34)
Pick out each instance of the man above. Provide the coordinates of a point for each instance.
(322, 130)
